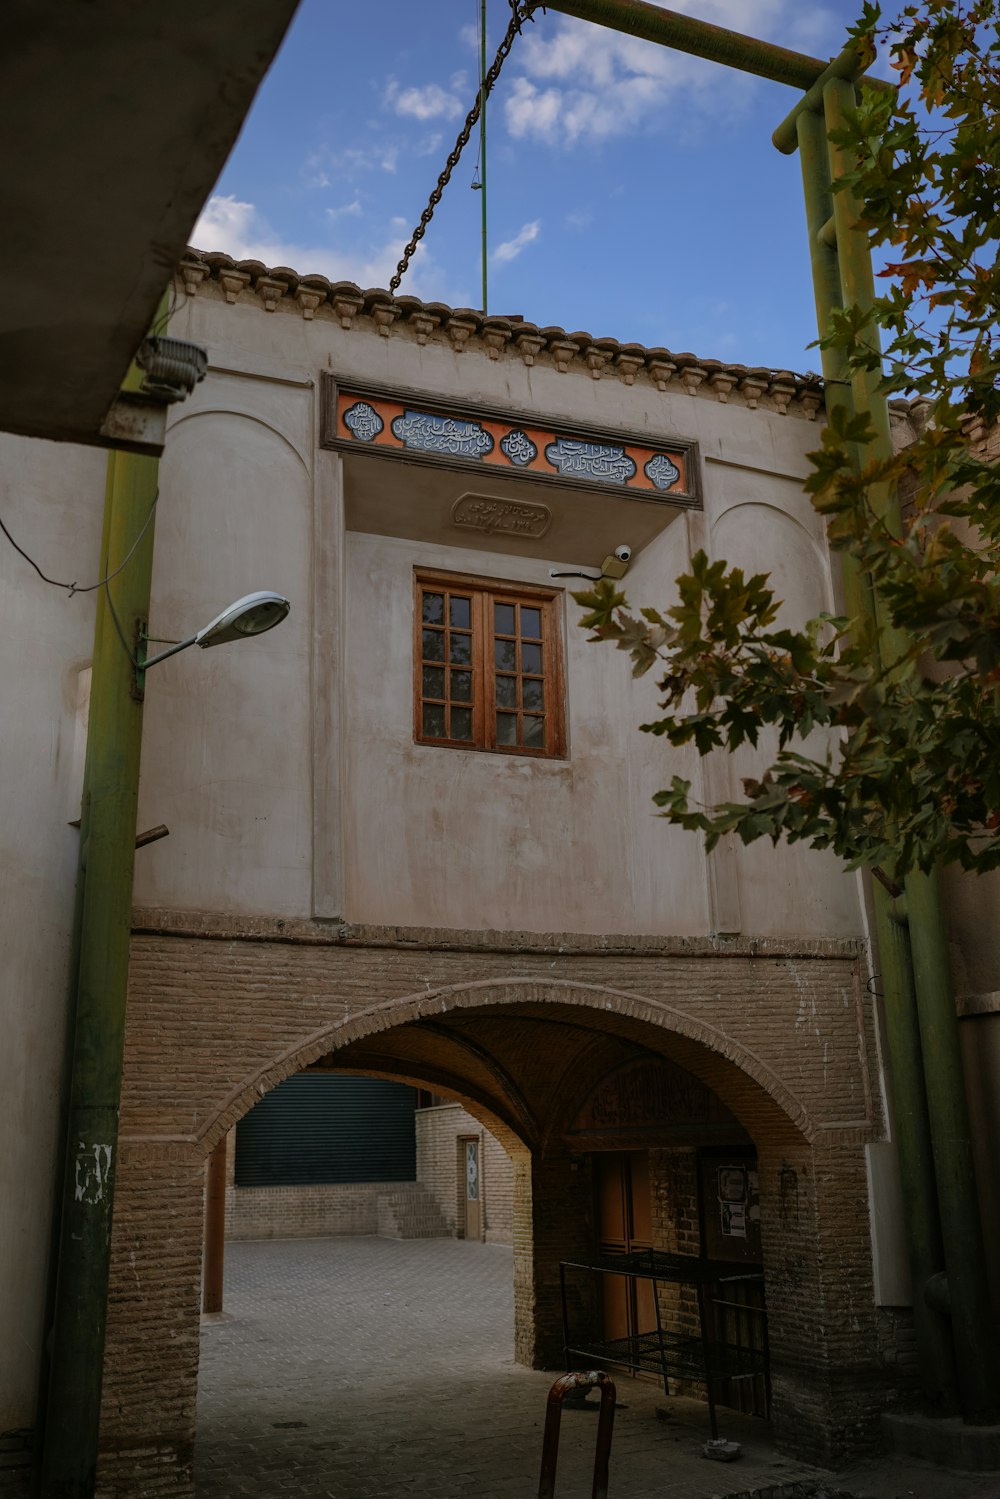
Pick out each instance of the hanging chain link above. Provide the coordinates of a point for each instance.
(520, 11)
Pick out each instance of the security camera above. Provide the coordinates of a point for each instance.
(615, 565)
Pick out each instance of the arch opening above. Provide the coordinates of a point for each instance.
(574, 1083)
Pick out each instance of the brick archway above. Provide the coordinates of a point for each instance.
(215, 1023)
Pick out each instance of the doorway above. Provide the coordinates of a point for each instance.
(624, 1218)
(470, 1175)
(729, 1213)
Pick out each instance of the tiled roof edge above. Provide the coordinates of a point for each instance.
(465, 328)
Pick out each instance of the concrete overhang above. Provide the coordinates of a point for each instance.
(117, 119)
(422, 503)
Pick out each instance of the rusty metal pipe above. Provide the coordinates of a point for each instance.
(605, 1430)
(699, 38)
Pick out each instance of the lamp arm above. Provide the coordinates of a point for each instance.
(172, 650)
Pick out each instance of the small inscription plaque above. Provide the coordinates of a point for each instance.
(480, 512)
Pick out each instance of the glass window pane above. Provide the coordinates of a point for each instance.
(531, 657)
(505, 653)
(433, 681)
(433, 609)
(460, 612)
(531, 623)
(461, 723)
(460, 649)
(534, 732)
(506, 728)
(506, 692)
(532, 694)
(433, 645)
(461, 687)
(433, 721)
(503, 619)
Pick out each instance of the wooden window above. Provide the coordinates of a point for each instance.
(487, 666)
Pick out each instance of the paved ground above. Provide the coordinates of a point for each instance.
(363, 1368)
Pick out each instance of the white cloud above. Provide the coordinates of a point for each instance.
(228, 224)
(582, 82)
(431, 102)
(328, 165)
(511, 248)
(346, 210)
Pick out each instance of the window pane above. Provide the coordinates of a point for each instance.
(506, 655)
(433, 681)
(506, 728)
(532, 694)
(433, 609)
(531, 623)
(433, 721)
(433, 645)
(460, 649)
(461, 613)
(506, 692)
(503, 619)
(461, 723)
(534, 732)
(461, 687)
(531, 657)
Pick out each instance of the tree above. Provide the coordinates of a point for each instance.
(913, 776)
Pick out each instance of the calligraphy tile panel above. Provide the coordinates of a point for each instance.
(407, 428)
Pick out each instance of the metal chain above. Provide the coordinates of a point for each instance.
(520, 11)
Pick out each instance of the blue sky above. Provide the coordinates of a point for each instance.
(633, 192)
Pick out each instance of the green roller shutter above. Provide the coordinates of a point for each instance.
(321, 1127)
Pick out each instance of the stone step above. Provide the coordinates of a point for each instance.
(410, 1213)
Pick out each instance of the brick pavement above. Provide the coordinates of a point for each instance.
(359, 1367)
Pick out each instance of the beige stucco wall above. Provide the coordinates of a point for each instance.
(293, 786)
(51, 499)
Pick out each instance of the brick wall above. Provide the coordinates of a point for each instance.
(222, 1009)
(673, 1179)
(313, 1212)
(498, 1178)
(438, 1131)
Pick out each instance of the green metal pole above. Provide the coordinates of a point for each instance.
(699, 38)
(69, 1452)
(849, 65)
(482, 136)
(910, 1122)
(965, 1259)
(978, 1372)
(857, 286)
(924, 1241)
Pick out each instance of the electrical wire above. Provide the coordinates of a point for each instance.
(101, 582)
(118, 627)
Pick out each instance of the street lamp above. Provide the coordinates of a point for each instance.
(250, 615)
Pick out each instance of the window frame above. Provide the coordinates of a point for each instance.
(484, 593)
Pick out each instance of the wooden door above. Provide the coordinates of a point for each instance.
(624, 1224)
(472, 1179)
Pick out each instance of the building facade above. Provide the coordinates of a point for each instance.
(411, 834)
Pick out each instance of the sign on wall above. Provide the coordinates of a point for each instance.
(421, 429)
